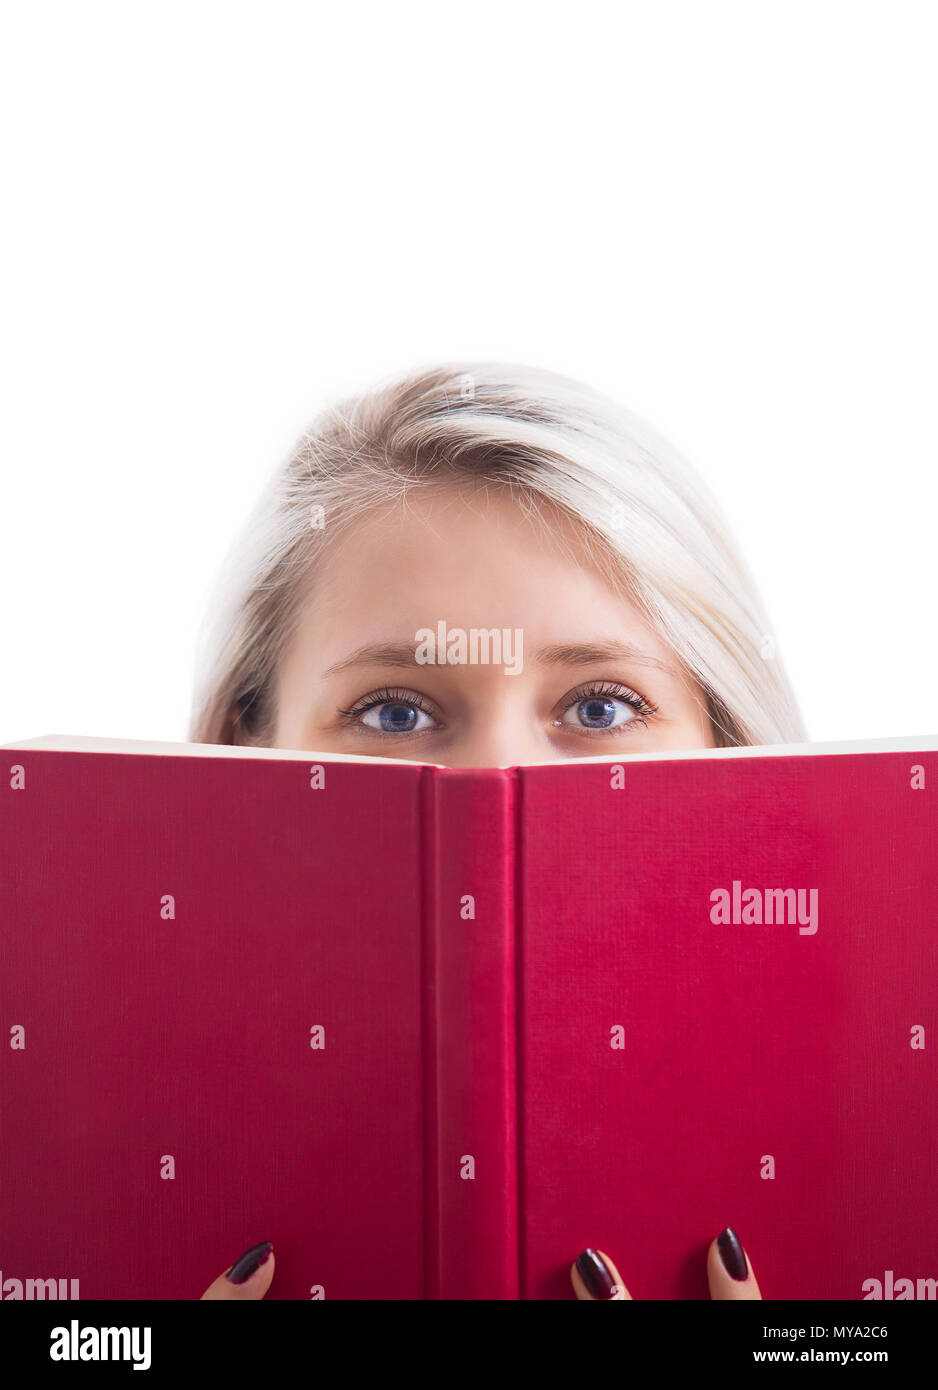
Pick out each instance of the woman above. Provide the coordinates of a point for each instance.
(517, 504)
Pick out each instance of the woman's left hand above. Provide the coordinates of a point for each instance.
(729, 1273)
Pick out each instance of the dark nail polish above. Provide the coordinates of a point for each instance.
(595, 1275)
(251, 1259)
(732, 1254)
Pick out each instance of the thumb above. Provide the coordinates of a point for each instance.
(248, 1278)
(596, 1278)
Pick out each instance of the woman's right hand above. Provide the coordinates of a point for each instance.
(249, 1277)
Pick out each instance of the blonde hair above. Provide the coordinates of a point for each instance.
(646, 519)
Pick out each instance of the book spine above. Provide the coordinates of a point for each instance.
(471, 1177)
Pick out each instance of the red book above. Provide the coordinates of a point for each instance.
(432, 1032)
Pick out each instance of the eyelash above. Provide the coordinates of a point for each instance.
(644, 710)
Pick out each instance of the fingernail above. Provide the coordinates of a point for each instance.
(732, 1254)
(251, 1259)
(595, 1275)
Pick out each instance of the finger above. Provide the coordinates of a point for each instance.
(247, 1278)
(729, 1272)
(595, 1277)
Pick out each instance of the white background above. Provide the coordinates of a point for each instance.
(218, 216)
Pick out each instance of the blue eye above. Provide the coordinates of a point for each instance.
(396, 717)
(600, 708)
(599, 712)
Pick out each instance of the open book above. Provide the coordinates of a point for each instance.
(433, 1031)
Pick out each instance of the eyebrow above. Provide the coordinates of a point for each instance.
(403, 654)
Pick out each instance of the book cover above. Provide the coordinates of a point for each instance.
(433, 1031)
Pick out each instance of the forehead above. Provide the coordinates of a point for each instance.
(469, 557)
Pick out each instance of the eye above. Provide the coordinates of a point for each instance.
(399, 717)
(606, 707)
(390, 712)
